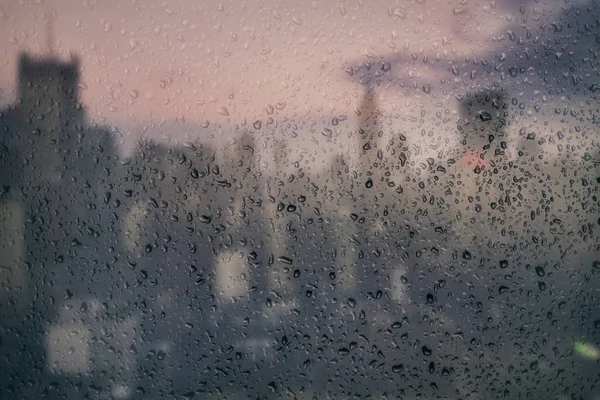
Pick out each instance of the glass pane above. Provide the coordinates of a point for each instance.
(310, 200)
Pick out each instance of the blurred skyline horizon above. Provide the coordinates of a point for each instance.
(147, 63)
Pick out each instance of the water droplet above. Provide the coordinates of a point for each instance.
(133, 43)
(397, 368)
(402, 157)
(285, 260)
(431, 367)
(533, 365)
(484, 116)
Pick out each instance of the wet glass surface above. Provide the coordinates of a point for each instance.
(299, 201)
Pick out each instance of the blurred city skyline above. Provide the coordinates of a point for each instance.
(212, 66)
(228, 200)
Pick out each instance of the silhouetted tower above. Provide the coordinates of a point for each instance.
(48, 109)
(370, 129)
(484, 116)
(48, 92)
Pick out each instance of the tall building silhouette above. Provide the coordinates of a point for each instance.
(32, 145)
(48, 110)
(56, 170)
(48, 89)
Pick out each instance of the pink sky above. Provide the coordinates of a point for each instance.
(194, 63)
(156, 59)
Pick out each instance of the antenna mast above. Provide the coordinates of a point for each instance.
(49, 30)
